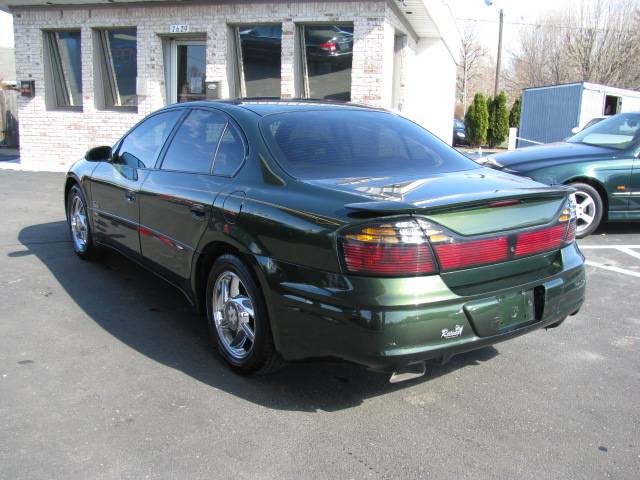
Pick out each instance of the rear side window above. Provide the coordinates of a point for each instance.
(230, 153)
(316, 144)
(141, 147)
(194, 145)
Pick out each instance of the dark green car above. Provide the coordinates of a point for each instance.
(309, 230)
(601, 162)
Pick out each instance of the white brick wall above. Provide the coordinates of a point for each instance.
(56, 138)
(428, 78)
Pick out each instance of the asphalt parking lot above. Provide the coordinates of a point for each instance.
(105, 373)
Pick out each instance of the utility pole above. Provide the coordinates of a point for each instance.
(497, 84)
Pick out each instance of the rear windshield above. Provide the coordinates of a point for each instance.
(313, 144)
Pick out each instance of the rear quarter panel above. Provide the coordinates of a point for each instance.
(280, 223)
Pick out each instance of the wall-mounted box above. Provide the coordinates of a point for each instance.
(28, 88)
(213, 90)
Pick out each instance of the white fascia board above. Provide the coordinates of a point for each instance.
(444, 22)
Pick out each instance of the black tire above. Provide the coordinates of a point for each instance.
(86, 250)
(262, 357)
(585, 190)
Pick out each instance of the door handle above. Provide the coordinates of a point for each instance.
(198, 210)
(130, 197)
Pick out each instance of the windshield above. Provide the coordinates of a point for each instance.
(619, 132)
(317, 144)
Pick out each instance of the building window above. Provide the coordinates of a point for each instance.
(115, 67)
(323, 61)
(255, 52)
(63, 69)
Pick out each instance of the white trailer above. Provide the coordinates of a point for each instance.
(550, 113)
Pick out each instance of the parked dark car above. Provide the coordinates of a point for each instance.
(459, 133)
(324, 41)
(311, 229)
(262, 43)
(601, 162)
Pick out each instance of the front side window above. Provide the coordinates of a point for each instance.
(63, 69)
(619, 132)
(325, 54)
(194, 144)
(115, 67)
(141, 146)
(255, 54)
(318, 144)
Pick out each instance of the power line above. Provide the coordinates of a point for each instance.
(537, 25)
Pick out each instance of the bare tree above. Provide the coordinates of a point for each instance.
(541, 58)
(602, 43)
(596, 41)
(472, 60)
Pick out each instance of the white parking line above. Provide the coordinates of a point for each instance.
(628, 251)
(595, 247)
(623, 271)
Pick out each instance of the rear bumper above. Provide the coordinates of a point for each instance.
(386, 324)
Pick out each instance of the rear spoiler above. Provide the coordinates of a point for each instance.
(457, 202)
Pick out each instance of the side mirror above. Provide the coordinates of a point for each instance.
(575, 130)
(98, 154)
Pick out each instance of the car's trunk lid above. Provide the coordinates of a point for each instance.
(470, 203)
(474, 207)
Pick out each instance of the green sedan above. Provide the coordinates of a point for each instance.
(600, 162)
(317, 229)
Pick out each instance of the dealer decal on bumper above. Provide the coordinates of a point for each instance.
(453, 333)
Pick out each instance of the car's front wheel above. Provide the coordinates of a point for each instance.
(589, 209)
(237, 318)
(79, 226)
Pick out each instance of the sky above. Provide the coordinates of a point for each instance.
(486, 19)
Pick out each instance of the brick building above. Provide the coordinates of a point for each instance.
(98, 66)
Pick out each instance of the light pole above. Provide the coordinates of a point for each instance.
(496, 85)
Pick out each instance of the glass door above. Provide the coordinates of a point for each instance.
(189, 70)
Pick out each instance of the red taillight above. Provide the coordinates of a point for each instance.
(454, 256)
(397, 248)
(389, 259)
(411, 246)
(329, 46)
(538, 241)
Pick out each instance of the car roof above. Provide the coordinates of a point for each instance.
(266, 106)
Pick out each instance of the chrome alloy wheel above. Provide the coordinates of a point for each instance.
(585, 210)
(79, 223)
(233, 315)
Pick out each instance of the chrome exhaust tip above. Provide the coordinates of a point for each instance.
(414, 370)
